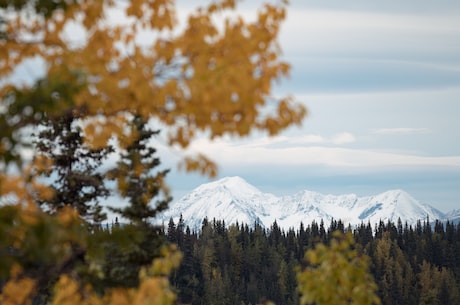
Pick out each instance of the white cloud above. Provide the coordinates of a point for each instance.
(365, 31)
(400, 131)
(226, 153)
(307, 139)
(343, 138)
(303, 140)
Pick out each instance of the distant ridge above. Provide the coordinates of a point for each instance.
(232, 200)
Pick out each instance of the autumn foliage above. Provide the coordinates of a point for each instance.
(110, 68)
(135, 57)
(336, 274)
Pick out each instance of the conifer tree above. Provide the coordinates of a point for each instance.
(135, 178)
(146, 196)
(75, 174)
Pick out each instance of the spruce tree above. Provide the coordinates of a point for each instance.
(135, 180)
(75, 171)
(139, 185)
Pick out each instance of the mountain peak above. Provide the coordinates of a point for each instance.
(232, 179)
(235, 185)
(397, 193)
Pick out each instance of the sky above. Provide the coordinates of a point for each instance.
(381, 82)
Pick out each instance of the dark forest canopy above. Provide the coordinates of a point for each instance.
(240, 264)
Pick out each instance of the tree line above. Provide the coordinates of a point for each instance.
(241, 264)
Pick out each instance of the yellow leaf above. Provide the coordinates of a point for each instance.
(67, 292)
(18, 292)
(67, 216)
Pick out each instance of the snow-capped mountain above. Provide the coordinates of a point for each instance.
(232, 199)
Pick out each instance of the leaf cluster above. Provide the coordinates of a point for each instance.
(337, 275)
(213, 76)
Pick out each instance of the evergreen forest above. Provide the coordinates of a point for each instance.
(241, 264)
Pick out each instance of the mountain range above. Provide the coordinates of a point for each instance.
(232, 200)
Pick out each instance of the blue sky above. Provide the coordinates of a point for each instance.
(381, 81)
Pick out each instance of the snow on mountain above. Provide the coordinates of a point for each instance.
(454, 216)
(391, 205)
(232, 199)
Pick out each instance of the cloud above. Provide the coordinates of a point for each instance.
(261, 153)
(343, 138)
(301, 141)
(355, 50)
(344, 73)
(354, 30)
(400, 131)
(307, 139)
(425, 7)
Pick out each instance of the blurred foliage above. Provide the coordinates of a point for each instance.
(23, 107)
(211, 76)
(336, 274)
(42, 7)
